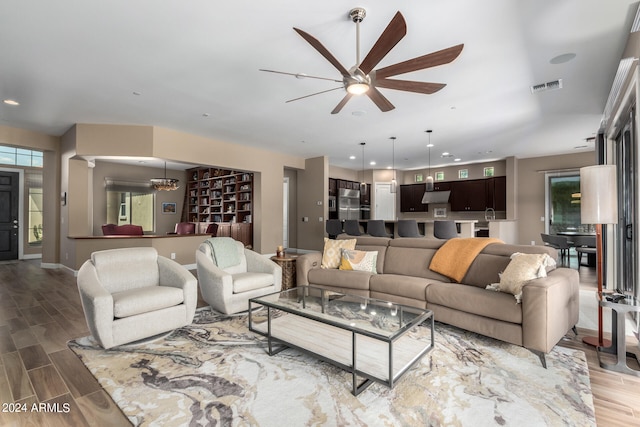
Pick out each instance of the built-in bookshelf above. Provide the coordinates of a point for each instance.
(220, 196)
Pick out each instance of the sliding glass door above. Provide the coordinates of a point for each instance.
(625, 153)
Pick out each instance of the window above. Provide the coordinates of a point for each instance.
(564, 204)
(20, 157)
(34, 192)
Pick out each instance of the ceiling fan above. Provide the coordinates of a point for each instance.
(363, 79)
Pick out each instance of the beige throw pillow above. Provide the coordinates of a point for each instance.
(359, 260)
(333, 251)
(521, 269)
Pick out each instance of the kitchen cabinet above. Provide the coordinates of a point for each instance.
(411, 198)
(479, 194)
(497, 193)
(442, 186)
(468, 195)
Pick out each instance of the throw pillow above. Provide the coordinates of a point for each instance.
(359, 260)
(521, 269)
(333, 251)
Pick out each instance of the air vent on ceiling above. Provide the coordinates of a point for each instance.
(555, 84)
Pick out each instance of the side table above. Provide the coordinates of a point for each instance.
(288, 264)
(619, 309)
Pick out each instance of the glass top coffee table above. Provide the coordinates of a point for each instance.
(374, 339)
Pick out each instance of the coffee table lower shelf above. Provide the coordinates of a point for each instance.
(371, 358)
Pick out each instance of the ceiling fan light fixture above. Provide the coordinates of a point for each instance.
(357, 88)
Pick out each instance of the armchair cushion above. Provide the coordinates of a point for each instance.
(136, 268)
(244, 282)
(142, 300)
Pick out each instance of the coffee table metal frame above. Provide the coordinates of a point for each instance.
(417, 317)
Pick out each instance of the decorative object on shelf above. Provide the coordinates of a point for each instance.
(429, 177)
(164, 184)
(598, 205)
(169, 208)
(394, 182)
(280, 252)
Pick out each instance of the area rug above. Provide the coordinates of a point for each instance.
(216, 372)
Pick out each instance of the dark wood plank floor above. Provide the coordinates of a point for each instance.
(40, 311)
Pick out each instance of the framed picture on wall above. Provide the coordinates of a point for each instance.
(440, 213)
(169, 208)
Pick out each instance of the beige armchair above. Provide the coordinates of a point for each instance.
(133, 293)
(227, 281)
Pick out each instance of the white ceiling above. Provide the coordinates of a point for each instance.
(75, 61)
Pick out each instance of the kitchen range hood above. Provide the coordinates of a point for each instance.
(436, 197)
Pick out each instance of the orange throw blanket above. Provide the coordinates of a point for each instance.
(454, 258)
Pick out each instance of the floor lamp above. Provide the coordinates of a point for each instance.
(598, 206)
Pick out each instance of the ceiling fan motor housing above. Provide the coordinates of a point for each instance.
(357, 14)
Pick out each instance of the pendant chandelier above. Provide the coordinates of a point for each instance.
(394, 182)
(429, 186)
(164, 184)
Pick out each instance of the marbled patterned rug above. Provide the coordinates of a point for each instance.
(217, 373)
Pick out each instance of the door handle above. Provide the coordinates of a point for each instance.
(629, 231)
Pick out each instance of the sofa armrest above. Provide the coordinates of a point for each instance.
(175, 275)
(550, 308)
(304, 263)
(261, 264)
(97, 304)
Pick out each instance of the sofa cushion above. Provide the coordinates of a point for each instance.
(340, 278)
(381, 250)
(333, 251)
(128, 268)
(521, 269)
(409, 261)
(143, 300)
(355, 260)
(400, 285)
(471, 299)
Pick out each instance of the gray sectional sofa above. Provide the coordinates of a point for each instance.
(549, 307)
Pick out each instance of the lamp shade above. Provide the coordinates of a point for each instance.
(599, 201)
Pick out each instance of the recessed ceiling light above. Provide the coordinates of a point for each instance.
(561, 59)
(352, 157)
(137, 93)
(11, 102)
(358, 113)
(372, 163)
(205, 114)
(446, 153)
(457, 160)
(429, 145)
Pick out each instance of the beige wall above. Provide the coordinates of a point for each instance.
(163, 222)
(313, 186)
(531, 190)
(268, 167)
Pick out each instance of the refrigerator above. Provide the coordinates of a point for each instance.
(348, 204)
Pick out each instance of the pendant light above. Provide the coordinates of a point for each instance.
(394, 182)
(164, 184)
(363, 183)
(429, 185)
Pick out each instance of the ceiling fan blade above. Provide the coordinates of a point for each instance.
(317, 93)
(342, 103)
(383, 103)
(433, 59)
(300, 75)
(323, 51)
(410, 86)
(391, 35)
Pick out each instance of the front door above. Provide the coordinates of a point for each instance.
(9, 215)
